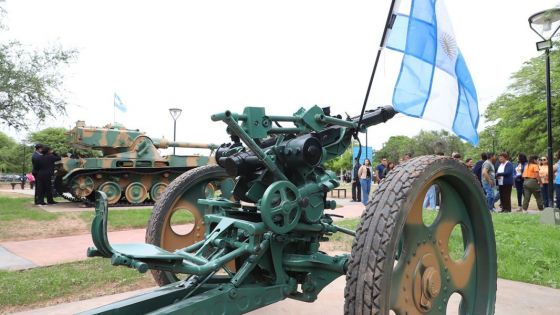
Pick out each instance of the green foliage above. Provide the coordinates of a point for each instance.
(519, 114)
(57, 140)
(424, 143)
(395, 148)
(30, 82)
(14, 156)
(341, 163)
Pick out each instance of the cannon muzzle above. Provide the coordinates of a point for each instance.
(376, 116)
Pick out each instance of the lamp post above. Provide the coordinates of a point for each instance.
(549, 22)
(175, 113)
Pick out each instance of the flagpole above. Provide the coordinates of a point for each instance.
(388, 25)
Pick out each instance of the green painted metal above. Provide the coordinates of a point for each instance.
(127, 156)
(263, 233)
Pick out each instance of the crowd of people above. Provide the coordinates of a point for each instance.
(529, 176)
(497, 175)
(364, 175)
(43, 160)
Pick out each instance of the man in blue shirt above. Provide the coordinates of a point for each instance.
(379, 170)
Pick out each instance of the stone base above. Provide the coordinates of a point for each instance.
(550, 216)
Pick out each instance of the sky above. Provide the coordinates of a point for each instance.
(210, 56)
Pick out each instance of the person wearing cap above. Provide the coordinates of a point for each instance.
(34, 159)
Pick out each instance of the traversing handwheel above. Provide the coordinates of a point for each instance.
(402, 265)
(179, 201)
(280, 209)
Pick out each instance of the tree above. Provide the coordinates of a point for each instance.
(424, 143)
(30, 82)
(395, 148)
(14, 158)
(341, 163)
(519, 114)
(57, 139)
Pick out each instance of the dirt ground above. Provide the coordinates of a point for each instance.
(21, 230)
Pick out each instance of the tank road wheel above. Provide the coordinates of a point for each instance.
(156, 190)
(424, 274)
(166, 227)
(136, 193)
(112, 190)
(82, 186)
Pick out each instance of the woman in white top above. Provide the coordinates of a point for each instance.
(365, 174)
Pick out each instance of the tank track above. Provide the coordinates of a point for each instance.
(121, 203)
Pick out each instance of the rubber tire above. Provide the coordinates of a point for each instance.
(368, 279)
(173, 192)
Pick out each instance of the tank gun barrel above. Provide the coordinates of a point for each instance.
(164, 144)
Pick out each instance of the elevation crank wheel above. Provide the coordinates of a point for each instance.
(181, 198)
(280, 209)
(401, 264)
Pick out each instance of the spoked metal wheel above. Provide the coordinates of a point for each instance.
(167, 227)
(403, 264)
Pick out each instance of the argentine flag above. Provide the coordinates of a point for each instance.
(119, 104)
(434, 82)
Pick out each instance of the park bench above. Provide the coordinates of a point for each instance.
(338, 190)
(16, 183)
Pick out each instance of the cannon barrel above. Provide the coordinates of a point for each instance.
(376, 116)
(164, 144)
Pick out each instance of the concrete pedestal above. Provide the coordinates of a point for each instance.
(550, 216)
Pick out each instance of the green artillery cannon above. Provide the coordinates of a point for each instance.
(262, 222)
(130, 171)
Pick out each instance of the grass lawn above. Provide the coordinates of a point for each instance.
(527, 250)
(135, 218)
(12, 209)
(21, 220)
(71, 281)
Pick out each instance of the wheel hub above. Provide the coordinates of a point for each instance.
(427, 283)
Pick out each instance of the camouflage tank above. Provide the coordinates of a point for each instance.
(131, 170)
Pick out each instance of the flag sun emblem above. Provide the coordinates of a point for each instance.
(448, 44)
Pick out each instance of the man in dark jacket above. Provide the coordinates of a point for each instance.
(477, 169)
(34, 158)
(356, 186)
(45, 173)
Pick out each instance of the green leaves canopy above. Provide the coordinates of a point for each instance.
(519, 114)
(30, 82)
